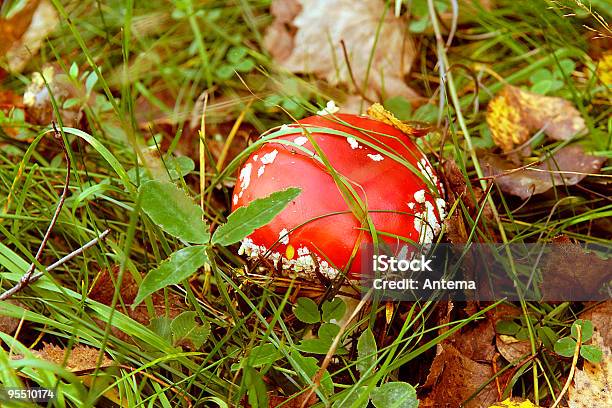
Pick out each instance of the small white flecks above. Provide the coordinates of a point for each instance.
(376, 157)
(300, 140)
(353, 142)
(255, 157)
(235, 200)
(283, 236)
(268, 158)
(427, 171)
(330, 108)
(304, 264)
(261, 170)
(285, 127)
(419, 196)
(411, 206)
(245, 176)
(441, 204)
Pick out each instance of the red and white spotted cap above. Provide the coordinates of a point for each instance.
(393, 178)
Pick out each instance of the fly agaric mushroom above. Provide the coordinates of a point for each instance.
(391, 176)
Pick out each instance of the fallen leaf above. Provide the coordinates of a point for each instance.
(514, 115)
(80, 358)
(25, 43)
(310, 43)
(514, 403)
(504, 120)
(604, 69)
(378, 112)
(568, 166)
(565, 276)
(103, 290)
(454, 378)
(511, 348)
(592, 387)
(9, 324)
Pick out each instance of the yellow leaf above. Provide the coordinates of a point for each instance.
(514, 115)
(514, 403)
(604, 69)
(505, 121)
(378, 112)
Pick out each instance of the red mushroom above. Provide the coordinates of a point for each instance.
(384, 166)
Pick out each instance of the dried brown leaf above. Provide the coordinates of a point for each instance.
(514, 114)
(9, 324)
(565, 276)
(454, 378)
(511, 348)
(592, 387)
(378, 112)
(568, 166)
(24, 43)
(79, 359)
(311, 43)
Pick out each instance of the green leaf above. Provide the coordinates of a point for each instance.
(542, 87)
(262, 355)
(395, 395)
(315, 346)
(591, 353)
(587, 329)
(399, 106)
(225, 72)
(307, 311)
(91, 81)
(258, 213)
(236, 54)
(565, 347)
(328, 331)
(178, 267)
(366, 351)
(566, 66)
(162, 326)
(333, 310)
(174, 212)
(358, 395)
(70, 102)
(522, 334)
(418, 26)
(548, 337)
(256, 388)
(74, 71)
(310, 368)
(185, 329)
(541, 74)
(507, 327)
(245, 65)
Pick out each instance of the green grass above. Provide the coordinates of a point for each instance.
(165, 54)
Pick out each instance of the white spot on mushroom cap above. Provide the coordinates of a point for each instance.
(300, 140)
(376, 157)
(245, 177)
(419, 196)
(268, 158)
(283, 236)
(255, 157)
(330, 108)
(352, 142)
(261, 170)
(235, 199)
(411, 206)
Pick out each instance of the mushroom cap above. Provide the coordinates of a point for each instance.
(400, 201)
